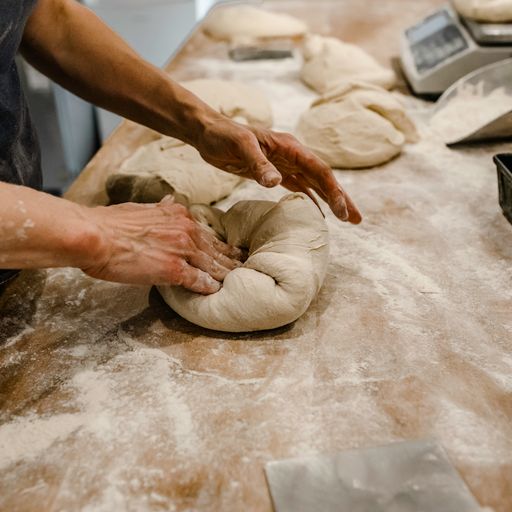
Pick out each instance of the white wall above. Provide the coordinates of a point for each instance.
(154, 28)
(203, 6)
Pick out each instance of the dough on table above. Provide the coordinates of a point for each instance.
(493, 11)
(167, 166)
(356, 125)
(329, 62)
(245, 22)
(233, 99)
(288, 255)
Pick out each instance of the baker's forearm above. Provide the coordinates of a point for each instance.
(128, 243)
(38, 230)
(70, 44)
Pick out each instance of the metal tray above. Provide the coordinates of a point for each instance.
(503, 163)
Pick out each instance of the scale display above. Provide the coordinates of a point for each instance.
(434, 40)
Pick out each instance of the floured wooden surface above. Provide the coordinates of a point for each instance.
(110, 401)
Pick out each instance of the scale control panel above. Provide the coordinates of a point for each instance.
(434, 40)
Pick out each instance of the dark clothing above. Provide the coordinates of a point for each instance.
(20, 159)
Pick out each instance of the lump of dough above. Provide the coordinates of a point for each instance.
(329, 62)
(494, 11)
(245, 22)
(167, 166)
(288, 255)
(233, 99)
(356, 125)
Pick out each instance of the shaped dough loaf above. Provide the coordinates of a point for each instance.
(233, 99)
(245, 22)
(356, 125)
(288, 257)
(497, 11)
(167, 166)
(329, 62)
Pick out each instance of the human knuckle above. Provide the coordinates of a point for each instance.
(190, 226)
(289, 139)
(176, 211)
(178, 270)
(180, 209)
(182, 238)
(246, 137)
(173, 271)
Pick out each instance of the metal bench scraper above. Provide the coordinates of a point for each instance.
(245, 53)
(412, 476)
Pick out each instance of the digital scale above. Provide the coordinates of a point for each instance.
(445, 46)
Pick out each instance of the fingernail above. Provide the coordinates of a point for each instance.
(341, 210)
(213, 285)
(270, 179)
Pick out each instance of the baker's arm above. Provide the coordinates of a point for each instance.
(129, 243)
(70, 44)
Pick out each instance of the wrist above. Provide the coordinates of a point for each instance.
(186, 116)
(86, 243)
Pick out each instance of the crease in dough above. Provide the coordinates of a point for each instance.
(288, 248)
(330, 62)
(356, 125)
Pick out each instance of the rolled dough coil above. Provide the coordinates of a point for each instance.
(288, 255)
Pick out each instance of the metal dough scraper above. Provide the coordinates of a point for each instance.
(261, 52)
(485, 96)
(412, 476)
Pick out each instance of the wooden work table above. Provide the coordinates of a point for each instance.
(110, 401)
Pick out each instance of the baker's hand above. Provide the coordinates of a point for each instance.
(159, 244)
(273, 158)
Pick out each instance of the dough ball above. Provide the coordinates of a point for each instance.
(329, 62)
(233, 99)
(245, 23)
(356, 125)
(288, 255)
(498, 11)
(167, 166)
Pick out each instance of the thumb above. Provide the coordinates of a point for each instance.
(266, 174)
(262, 170)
